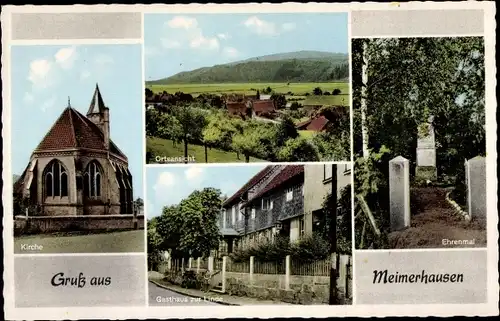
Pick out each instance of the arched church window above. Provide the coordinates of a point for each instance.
(56, 179)
(92, 180)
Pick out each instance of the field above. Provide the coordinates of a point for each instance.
(164, 147)
(114, 242)
(298, 89)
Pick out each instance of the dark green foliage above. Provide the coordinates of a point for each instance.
(298, 150)
(307, 249)
(285, 70)
(279, 100)
(344, 220)
(285, 130)
(336, 91)
(317, 91)
(295, 106)
(190, 228)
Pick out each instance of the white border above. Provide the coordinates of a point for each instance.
(181, 312)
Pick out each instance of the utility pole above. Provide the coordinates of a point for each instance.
(333, 238)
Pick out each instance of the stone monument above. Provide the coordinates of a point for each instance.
(399, 193)
(426, 153)
(475, 173)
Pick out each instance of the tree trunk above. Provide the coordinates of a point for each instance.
(247, 158)
(333, 239)
(185, 150)
(237, 155)
(364, 83)
(206, 154)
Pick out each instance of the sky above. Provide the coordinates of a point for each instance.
(43, 77)
(169, 185)
(175, 43)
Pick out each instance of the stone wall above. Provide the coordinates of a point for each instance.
(303, 289)
(50, 224)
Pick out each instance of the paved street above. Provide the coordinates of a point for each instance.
(162, 297)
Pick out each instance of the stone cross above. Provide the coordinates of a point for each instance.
(399, 193)
(475, 174)
(426, 153)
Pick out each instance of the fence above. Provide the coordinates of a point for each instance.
(285, 272)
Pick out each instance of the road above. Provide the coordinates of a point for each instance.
(162, 297)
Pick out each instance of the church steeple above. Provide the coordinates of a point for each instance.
(69, 103)
(98, 113)
(97, 104)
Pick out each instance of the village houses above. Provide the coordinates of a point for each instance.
(285, 200)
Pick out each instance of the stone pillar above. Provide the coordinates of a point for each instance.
(182, 265)
(251, 269)
(475, 173)
(287, 272)
(224, 262)
(169, 263)
(426, 153)
(198, 263)
(190, 261)
(399, 193)
(211, 263)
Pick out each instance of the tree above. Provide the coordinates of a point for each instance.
(149, 93)
(317, 91)
(248, 143)
(279, 100)
(285, 130)
(298, 150)
(192, 121)
(190, 228)
(336, 91)
(257, 95)
(326, 93)
(295, 106)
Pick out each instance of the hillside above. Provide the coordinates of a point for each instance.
(301, 66)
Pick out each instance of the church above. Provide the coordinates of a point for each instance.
(77, 170)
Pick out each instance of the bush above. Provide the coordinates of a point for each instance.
(336, 91)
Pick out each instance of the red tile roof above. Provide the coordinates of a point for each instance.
(251, 183)
(260, 106)
(316, 124)
(289, 172)
(238, 107)
(74, 130)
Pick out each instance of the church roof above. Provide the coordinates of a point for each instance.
(74, 130)
(97, 103)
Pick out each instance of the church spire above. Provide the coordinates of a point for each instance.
(97, 104)
(69, 102)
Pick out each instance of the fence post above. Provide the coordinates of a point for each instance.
(182, 265)
(190, 263)
(251, 269)
(169, 263)
(198, 265)
(224, 262)
(211, 263)
(287, 272)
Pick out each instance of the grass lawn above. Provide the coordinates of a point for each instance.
(250, 88)
(308, 134)
(165, 148)
(342, 100)
(111, 242)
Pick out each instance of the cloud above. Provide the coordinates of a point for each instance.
(223, 36)
(84, 74)
(66, 57)
(187, 33)
(49, 103)
(194, 173)
(28, 98)
(164, 184)
(204, 43)
(182, 22)
(261, 27)
(288, 26)
(40, 72)
(231, 52)
(267, 28)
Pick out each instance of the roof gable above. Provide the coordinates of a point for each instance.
(251, 182)
(288, 172)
